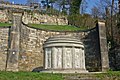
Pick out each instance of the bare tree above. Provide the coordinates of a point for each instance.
(101, 6)
(62, 5)
(83, 6)
(95, 12)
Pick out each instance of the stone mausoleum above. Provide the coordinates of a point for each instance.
(64, 54)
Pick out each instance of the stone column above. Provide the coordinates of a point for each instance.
(63, 57)
(46, 58)
(49, 58)
(83, 60)
(73, 57)
(103, 46)
(81, 57)
(12, 62)
(53, 58)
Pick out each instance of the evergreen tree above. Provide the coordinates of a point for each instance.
(75, 6)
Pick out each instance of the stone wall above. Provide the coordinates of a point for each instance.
(114, 57)
(24, 46)
(4, 38)
(3, 16)
(32, 41)
(37, 18)
(32, 52)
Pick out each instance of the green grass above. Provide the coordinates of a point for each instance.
(5, 24)
(57, 27)
(29, 76)
(112, 75)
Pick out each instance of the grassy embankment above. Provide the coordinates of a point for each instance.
(50, 27)
(57, 27)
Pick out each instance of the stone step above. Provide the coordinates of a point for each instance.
(81, 77)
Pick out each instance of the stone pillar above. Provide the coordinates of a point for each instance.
(46, 58)
(83, 59)
(103, 46)
(49, 58)
(73, 57)
(12, 62)
(53, 58)
(63, 57)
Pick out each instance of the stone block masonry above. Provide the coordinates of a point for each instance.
(37, 18)
(14, 49)
(3, 16)
(4, 45)
(32, 53)
(103, 46)
(26, 44)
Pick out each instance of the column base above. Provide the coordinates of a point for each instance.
(64, 71)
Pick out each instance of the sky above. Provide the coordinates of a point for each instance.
(91, 3)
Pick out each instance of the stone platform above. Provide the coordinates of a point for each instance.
(64, 71)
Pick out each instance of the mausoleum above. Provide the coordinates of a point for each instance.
(64, 54)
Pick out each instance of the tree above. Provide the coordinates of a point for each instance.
(29, 2)
(52, 2)
(83, 6)
(63, 5)
(75, 6)
(100, 8)
(95, 12)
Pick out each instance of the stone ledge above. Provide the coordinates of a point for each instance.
(65, 71)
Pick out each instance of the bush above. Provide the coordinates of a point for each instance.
(81, 20)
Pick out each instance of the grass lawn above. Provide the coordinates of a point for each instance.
(57, 27)
(50, 76)
(5, 24)
(111, 75)
(29, 76)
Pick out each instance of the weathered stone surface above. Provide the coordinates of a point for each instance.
(114, 58)
(4, 37)
(13, 53)
(31, 54)
(64, 53)
(32, 41)
(37, 18)
(3, 16)
(103, 46)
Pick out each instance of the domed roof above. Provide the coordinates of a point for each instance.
(63, 40)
